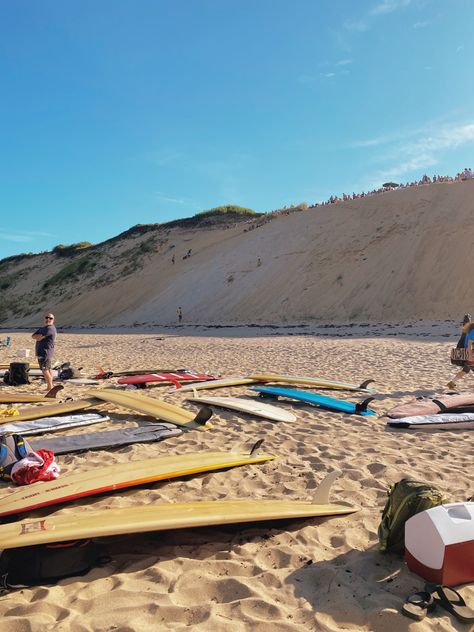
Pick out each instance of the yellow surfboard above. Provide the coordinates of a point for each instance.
(71, 486)
(161, 517)
(226, 382)
(316, 382)
(156, 408)
(37, 412)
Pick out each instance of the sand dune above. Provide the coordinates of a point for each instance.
(395, 256)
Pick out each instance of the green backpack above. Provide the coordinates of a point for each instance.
(405, 499)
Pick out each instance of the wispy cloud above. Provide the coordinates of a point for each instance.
(344, 62)
(420, 25)
(414, 152)
(15, 237)
(388, 6)
(356, 25)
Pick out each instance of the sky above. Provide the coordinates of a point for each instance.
(124, 112)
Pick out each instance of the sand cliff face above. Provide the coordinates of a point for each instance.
(394, 256)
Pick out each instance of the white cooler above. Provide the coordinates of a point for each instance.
(439, 544)
(23, 353)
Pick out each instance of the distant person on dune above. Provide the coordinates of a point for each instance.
(179, 313)
(465, 342)
(45, 340)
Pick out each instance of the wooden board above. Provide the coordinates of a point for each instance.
(156, 408)
(250, 406)
(106, 479)
(316, 382)
(161, 517)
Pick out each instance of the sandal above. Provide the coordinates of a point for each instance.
(418, 605)
(452, 601)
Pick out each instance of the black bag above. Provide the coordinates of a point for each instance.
(47, 563)
(17, 374)
(67, 372)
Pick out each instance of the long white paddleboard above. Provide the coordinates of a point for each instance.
(121, 475)
(251, 406)
(442, 421)
(161, 517)
(52, 424)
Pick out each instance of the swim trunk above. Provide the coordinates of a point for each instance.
(44, 363)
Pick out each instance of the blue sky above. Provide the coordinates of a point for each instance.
(120, 112)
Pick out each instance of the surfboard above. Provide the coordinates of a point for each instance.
(6, 365)
(166, 378)
(104, 374)
(162, 517)
(108, 439)
(220, 383)
(316, 382)
(329, 403)
(52, 424)
(156, 408)
(121, 475)
(51, 410)
(441, 421)
(82, 381)
(251, 406)
(25, 398)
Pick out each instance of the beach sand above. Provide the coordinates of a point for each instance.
(316, 574)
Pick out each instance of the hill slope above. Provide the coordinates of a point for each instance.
(394, 256)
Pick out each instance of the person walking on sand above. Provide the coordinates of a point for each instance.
(465, 342)
(45, 338)
(179, 312)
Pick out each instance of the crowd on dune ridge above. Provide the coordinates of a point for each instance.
(466, 174)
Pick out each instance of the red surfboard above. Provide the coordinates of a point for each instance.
(167, 378)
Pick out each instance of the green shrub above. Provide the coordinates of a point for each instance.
(71, 271)
(66, 251)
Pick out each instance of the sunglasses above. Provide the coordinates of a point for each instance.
(49, 317)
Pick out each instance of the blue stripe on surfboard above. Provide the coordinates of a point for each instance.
(331, 403)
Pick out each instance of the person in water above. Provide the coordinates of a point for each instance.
(466, 342)
(45, 338)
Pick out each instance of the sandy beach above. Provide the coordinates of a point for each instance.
(317, 574)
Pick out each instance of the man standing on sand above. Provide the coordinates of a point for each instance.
(45, 338)
(179, 313)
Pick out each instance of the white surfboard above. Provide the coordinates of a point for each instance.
(442, 421)
(52, 424)
(251, 406)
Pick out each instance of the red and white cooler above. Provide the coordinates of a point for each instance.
(439, 544)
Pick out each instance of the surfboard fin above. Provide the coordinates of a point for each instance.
(52, 393)
(256, 447)
(366, 383)
(362, 406)
(321, 496)
(203, 415)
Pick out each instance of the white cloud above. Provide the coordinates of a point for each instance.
(344, 62)
(388, 6)
(330, 74)
(356, 25)
(418, 151)
(420, 25)
(15, 237)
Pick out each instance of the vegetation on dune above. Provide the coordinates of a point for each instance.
(226, 210)
(66, 251)
(72, 271)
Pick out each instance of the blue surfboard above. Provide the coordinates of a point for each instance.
(330, 403)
